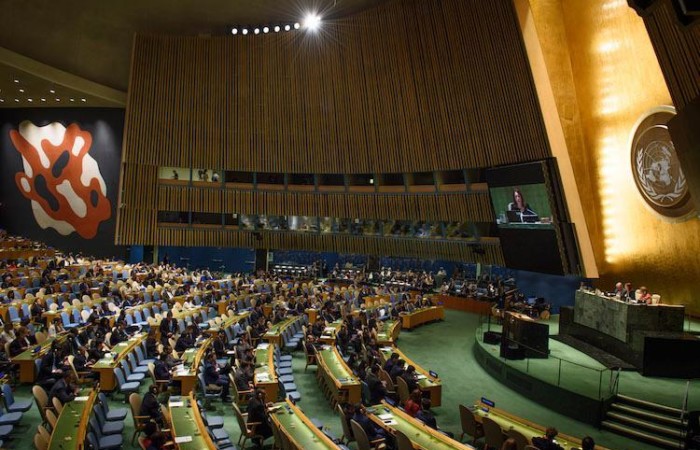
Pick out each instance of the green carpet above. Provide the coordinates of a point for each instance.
(446, 348)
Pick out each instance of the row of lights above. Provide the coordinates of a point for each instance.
(311, 22)
(42, 99)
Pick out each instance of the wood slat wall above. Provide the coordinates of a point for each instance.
(486, 253)
(677, 48)
(408, 86)
(411, 85)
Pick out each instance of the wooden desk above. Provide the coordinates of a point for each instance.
(329, 332)
(426, 383)
(390, 334)
(25, 360)
(421, 435)
(508, 421)
(265, 376)
(274, 334)
(105, 366)
(71, 427)
(332, 365)
(191, 358)
(303, 435)
(421, 316)
(186, 420)
(229, 322)
(313, 315)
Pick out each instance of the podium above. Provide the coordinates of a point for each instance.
(524, 337)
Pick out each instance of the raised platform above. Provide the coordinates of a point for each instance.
(574, 383)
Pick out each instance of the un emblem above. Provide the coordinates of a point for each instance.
(656, 169)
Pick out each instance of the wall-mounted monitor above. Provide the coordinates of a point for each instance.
(530, 213)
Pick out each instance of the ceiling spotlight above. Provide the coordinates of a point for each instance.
(16, 80)
(311, 22)
(52, 91)
(287, 28)
(297, 26)
(17, 100)
(256, 31)
(266, 30)
(43, 99)
(245, 31)
(277, 28)
(58, 99)
(72, 99)
(234, 31)
(83, 100)
(21, 90)
(30, 100)
(2, 100)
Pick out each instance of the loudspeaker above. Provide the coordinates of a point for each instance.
(492, 337)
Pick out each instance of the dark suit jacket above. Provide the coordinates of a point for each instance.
(544, 444)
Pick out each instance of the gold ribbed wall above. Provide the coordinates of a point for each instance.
(409, 86)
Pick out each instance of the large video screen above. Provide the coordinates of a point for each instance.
(531, 218)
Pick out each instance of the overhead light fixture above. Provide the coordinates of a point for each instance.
(266, 30)
(30, 100)
(245, 31)
(58, 99)
(234, 30)
(21, 90)
(287, 27)
(72, 99)
(2, 100)
(52, 91)
(16, 100)
(277, 28)
(256, 31)
(43, 99)
(16, 80)
(297, 26)
(312, 21)
(83, 100)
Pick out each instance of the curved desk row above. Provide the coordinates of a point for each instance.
(188, 429)
(421, 316)
(426, 382)
(72, 423)
(335, 376)
(265, 377)
(301, 433)
(422, 436)
(388, 334)
(508, 421)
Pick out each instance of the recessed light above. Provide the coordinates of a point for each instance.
(52, 91)
(83, 100)
(21, 90)
(297, 26)
(234, 31)
(30, 100)
(16, 80)
(17, 100)
(287, 28)
(58, 99)
(277, 28)
(72, 99)
(43, 99)
(266, 30)
(245, 31)
(2, 100)
(256, 31)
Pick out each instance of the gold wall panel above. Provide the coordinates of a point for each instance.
(611, 78)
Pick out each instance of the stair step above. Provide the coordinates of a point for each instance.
(642, 424)
(642, 436)
(650, 405)
(649, 415)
